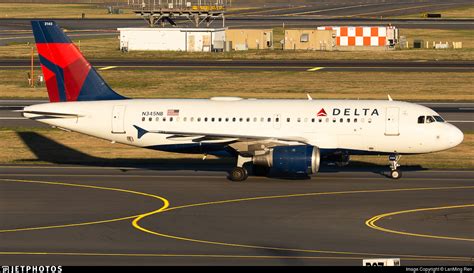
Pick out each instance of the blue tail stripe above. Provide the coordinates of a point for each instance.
(95, 88)
(59, 73)
(48, 32)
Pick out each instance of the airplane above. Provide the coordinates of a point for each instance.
(288, 136)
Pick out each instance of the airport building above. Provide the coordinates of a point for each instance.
(244, 39)
(364, 37)
(173, 39)
(309, 39)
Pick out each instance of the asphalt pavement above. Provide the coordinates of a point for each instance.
(77, 215)
(267, 65)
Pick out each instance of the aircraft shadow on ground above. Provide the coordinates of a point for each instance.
(51, 151)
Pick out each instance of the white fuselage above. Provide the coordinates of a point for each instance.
(360, 125)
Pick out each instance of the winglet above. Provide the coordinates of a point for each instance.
(141, 132)
(389, 98)
(309, 96)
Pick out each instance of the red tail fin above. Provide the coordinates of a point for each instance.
(68, 75)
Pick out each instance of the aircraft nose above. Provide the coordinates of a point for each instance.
(455, 136)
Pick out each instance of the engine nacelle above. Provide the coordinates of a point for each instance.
(300, 159)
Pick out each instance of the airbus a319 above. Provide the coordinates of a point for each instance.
(288, 137)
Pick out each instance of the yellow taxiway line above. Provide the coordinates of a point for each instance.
(165, 205)
(136, 224)
(371, 223)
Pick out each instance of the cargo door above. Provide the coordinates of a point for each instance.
(391, 121)
(118, 119)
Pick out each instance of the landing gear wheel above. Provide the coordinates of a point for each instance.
(395, 174)
(238, 174)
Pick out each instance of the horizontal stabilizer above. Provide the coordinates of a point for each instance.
(47, 115)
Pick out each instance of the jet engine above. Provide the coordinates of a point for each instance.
(298, 159)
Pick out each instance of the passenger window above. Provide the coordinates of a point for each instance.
(164, 119)
(199, 119)
(254, 119)
(205, 119)
(348, 120)
(355, 120)
(220, 119)
(241, 119)
(341, 120)
(184, 119)
(430, 119)
(171, 119)
(269, 119)
(248, 119)
(226, 119)
(143, 118)
(277, 119)
(288, 119)
(233, 119)
(421, 119)
(149, 119)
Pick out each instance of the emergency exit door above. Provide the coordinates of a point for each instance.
(391, 121)
(118, 119)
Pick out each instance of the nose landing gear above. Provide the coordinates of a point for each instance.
(393, 160)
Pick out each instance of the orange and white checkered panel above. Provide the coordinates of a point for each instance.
(359, 36)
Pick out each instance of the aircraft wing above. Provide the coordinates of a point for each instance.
(212, 136)
(241, 143)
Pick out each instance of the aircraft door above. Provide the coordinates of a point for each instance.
(277, 121)
(118, 119)
(391, 121)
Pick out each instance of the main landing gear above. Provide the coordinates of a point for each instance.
(239, 173)
(393, 159)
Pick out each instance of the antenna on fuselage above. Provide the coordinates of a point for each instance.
(389, 98)
(309, 97)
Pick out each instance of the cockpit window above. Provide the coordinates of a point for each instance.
(429, 119)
